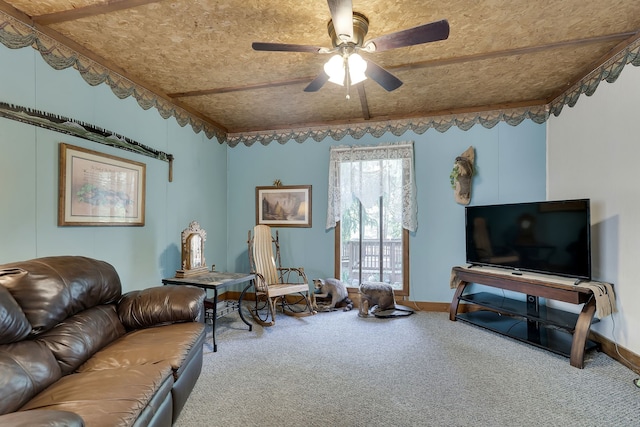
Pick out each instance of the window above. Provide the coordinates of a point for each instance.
(373, 208)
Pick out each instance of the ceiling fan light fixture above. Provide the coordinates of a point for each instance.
(348, 37)
(335, 69)
(357, 67)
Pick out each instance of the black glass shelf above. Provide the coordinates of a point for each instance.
(550, 317)
(522, 329)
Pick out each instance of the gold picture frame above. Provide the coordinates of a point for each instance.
(98, 189)
(284, 206)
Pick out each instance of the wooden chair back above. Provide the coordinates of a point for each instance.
(262, 253)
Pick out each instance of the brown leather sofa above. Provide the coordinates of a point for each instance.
(74, 351)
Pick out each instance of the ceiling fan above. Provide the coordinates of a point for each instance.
(347, 30)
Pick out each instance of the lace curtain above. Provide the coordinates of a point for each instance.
(351, 176)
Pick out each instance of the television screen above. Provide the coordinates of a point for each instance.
(550, 237)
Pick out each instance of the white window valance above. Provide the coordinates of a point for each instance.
(351, 176)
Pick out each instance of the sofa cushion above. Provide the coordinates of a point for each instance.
(161, 305)
(169, 343)
(27, 368)
(14, 325)
(43, 418)
(114, 397)
(64, 285)
(77, 338)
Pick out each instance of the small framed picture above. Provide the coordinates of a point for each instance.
(284, 206)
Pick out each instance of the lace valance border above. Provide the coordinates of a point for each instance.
(17, 34)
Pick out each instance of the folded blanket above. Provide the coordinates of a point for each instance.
(454, 281)
(605, 298)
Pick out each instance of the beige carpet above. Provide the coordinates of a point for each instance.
(336, 369)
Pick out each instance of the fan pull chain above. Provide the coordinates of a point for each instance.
(347, 76)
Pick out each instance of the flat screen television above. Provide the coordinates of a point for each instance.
(551, 237)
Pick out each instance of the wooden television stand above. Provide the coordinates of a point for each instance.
(530, 321)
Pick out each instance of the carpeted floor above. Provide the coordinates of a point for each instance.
(336, 369)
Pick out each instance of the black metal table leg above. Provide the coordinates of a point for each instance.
(213, 320)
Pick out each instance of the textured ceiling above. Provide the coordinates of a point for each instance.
(197, 55)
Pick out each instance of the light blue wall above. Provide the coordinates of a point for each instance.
(511, 168)
(29, 176)
(215, 185)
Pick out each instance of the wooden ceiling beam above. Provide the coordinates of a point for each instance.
(418, 117)
(624, 37)
(268, 85)
(515, 52)
(595, 64)
(86, 11)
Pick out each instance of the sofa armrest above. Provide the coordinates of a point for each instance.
(161, 305)
(42, 418)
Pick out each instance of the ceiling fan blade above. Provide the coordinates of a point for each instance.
(284, 47)
(381, 76)
(342, 17)
(425, 33)
(317, 83)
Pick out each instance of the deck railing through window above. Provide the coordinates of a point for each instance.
(391, 259)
